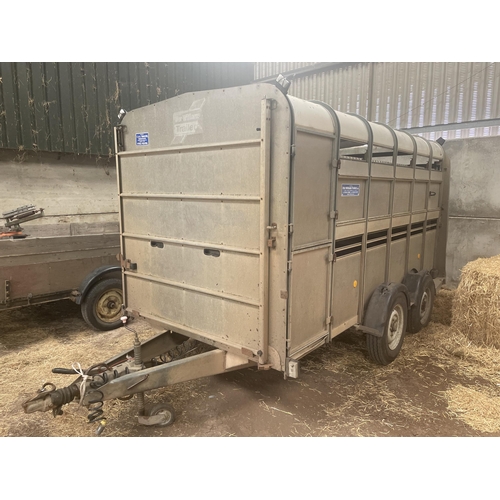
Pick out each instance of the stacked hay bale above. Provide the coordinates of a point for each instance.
(443, 305)
(476, 306)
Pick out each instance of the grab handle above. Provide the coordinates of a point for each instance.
(212, 253)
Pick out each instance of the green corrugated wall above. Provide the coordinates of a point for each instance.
(72, 107)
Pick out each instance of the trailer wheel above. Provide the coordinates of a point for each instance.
(102, 306)
(384, 350)
(164, 409)
(420, 313)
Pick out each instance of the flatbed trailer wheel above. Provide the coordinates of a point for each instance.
(102, 306)
(162, 409)
(384, 350)
(420, 313)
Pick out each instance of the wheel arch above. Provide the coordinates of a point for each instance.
(412, 281)
(378, 306)
(415, 281)
(107, 271)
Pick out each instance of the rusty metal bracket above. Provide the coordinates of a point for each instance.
(264, 367)
(126, 264)
(132, 313)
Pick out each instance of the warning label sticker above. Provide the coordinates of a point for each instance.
(350, 190)
(142, 139)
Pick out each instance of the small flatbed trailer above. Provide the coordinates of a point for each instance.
(76, 262)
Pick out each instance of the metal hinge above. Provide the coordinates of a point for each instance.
(328, 320)
(289, 265)
(339, 163)
(332, 257)
(292, 150)
(119, 137)
(334, 214)
(7, 291)
(290, 228)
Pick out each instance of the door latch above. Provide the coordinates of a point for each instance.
(271, 242)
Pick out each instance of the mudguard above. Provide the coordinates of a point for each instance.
(378, 306)
(96, 276)
(412, 282)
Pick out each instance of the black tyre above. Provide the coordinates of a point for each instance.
(384, 350)
(167, 411)
(102, 306)
(420, 313)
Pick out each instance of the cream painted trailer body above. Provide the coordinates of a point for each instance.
(263, 226)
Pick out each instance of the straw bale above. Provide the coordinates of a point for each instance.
(476, 307)
(442, 310)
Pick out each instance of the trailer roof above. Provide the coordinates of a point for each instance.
(354, 130)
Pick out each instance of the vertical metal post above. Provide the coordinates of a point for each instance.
(116, 131)
(391, 202)
(424, 233)
(408, 232)
(138, 363)
(371, 89)
(265, 169)
(442, 229)
(333, 206)
(369, 154)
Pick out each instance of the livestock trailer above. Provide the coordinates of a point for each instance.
(263, 225)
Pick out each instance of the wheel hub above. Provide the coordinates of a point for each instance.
(108, 307)
(425, 306)
(395, 330)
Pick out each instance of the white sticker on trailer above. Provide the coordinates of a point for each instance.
(350, 189)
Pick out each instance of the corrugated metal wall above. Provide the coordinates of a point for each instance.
(439, 98)
(267, 69)
(72, 107)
